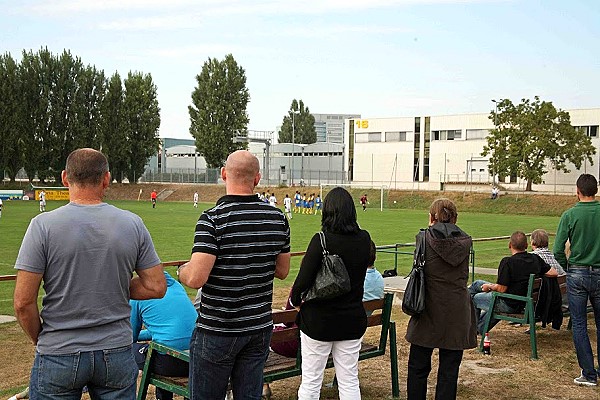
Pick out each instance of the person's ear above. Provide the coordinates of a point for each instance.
(106, 180)
(257, 179)
(63, 177)
(223, 173)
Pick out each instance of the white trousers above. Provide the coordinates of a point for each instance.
(314, 358)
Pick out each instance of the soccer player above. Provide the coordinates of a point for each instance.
(364, 201)
(0, 208)
(153, 197)
(42, 201)
(273, 200)
(318, 205)
(297, 198)
(195, 199)
(287, 205)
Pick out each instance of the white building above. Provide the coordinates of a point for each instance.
(428, 152)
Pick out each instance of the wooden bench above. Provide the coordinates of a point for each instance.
(279, 367)
(526, 318)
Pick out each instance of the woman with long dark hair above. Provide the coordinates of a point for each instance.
(336, 325)
(448, 321)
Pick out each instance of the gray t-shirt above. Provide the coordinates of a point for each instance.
(87, 255)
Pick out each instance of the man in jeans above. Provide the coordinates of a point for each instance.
(513, 278)
(86, 253)
(580, 225)
(240, 245)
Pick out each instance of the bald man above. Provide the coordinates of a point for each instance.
(240, 245)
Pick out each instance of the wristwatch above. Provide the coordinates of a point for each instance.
(179, 268)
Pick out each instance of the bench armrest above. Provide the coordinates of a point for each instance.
(182, 355)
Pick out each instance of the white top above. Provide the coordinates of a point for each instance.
(287, 203)
(196, 197)
(273, 200)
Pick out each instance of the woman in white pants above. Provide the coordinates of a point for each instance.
(336, 325)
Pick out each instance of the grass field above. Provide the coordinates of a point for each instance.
(172, 224)
(507, 374)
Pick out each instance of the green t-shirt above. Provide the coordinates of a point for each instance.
(580, 225)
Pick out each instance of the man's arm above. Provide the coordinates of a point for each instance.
(562, 235)
(195, 272)
(494, 287)
(25, 303)
(552, 272)
(149, 284)
(282, 265)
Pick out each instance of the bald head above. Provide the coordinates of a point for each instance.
(242, 168)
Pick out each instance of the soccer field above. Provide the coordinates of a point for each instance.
(171, 225)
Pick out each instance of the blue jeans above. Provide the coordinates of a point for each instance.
(584, 284)
(108, 374)
(482, 301)
(215, 359)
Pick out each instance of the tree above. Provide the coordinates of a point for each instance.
(304, 125)
(529, 134)
(113, 137)
(11, 141)
(218, 110)
(141, 120)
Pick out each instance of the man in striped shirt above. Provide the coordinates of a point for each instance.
(240, 245)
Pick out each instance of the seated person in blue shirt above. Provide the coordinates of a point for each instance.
(169, 321)
(373, 289)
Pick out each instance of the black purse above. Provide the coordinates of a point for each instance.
(332, 280)
(413, 302)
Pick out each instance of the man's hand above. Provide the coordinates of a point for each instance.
(486, 287)
(25, 303)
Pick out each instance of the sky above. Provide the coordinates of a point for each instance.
(377, 58)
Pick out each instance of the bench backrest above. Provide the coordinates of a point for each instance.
(533, 289)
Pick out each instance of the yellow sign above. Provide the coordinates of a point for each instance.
(362, 123)
(60, 194)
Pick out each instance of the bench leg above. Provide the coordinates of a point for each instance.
(394, 360)
(532, 336)
(144, 382)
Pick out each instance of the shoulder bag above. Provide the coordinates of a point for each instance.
(414, 295)
(332, 280)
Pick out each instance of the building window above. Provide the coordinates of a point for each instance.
(447, 134)
(365, 137)
(396, 136)
(473, 134)
(590, 130)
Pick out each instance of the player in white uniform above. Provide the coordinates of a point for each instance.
(287, 205)
(195, 199)
(42, 201)
(273, 200)
(0, 208)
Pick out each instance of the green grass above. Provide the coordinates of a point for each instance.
(172, 224)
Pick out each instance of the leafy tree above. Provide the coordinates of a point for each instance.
(11, 156)
(141, 120)
(304, 125)
(35, 91)
(113, 135)
(529, 134)
(218, 110)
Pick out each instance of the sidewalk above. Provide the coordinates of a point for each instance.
(7, 318)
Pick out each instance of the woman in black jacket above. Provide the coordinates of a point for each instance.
(336, 325)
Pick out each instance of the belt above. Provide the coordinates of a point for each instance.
(582, 268)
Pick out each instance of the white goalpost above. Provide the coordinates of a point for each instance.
(358, 191)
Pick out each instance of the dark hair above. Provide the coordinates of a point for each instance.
(443, 210)
(86, 167)
(339, 213)
(518, 241)
(372, 254)
(539, 238)
(587, 185)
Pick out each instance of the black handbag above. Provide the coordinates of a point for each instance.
(414, 295)
(332, 280)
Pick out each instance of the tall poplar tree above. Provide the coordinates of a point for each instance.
(141, 120)
(11, 142)
(303, 125)
(218, 110)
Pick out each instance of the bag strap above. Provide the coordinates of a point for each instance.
(419, 258)
(323, 243)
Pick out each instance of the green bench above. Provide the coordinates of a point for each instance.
(278, 367)
(525, 318)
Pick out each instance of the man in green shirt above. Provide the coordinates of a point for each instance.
(580, 225)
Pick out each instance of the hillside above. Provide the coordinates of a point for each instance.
(510, 203)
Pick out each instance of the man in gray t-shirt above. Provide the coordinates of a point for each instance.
(85, 253)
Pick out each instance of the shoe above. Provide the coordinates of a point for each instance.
(583, 381)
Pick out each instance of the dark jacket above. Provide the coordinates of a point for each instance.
(448, 321)
(548, 308)
(343, 317)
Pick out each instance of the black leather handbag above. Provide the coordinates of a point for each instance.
(414, 295)
(332, 280)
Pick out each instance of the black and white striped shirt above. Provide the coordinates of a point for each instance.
(246, 235)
